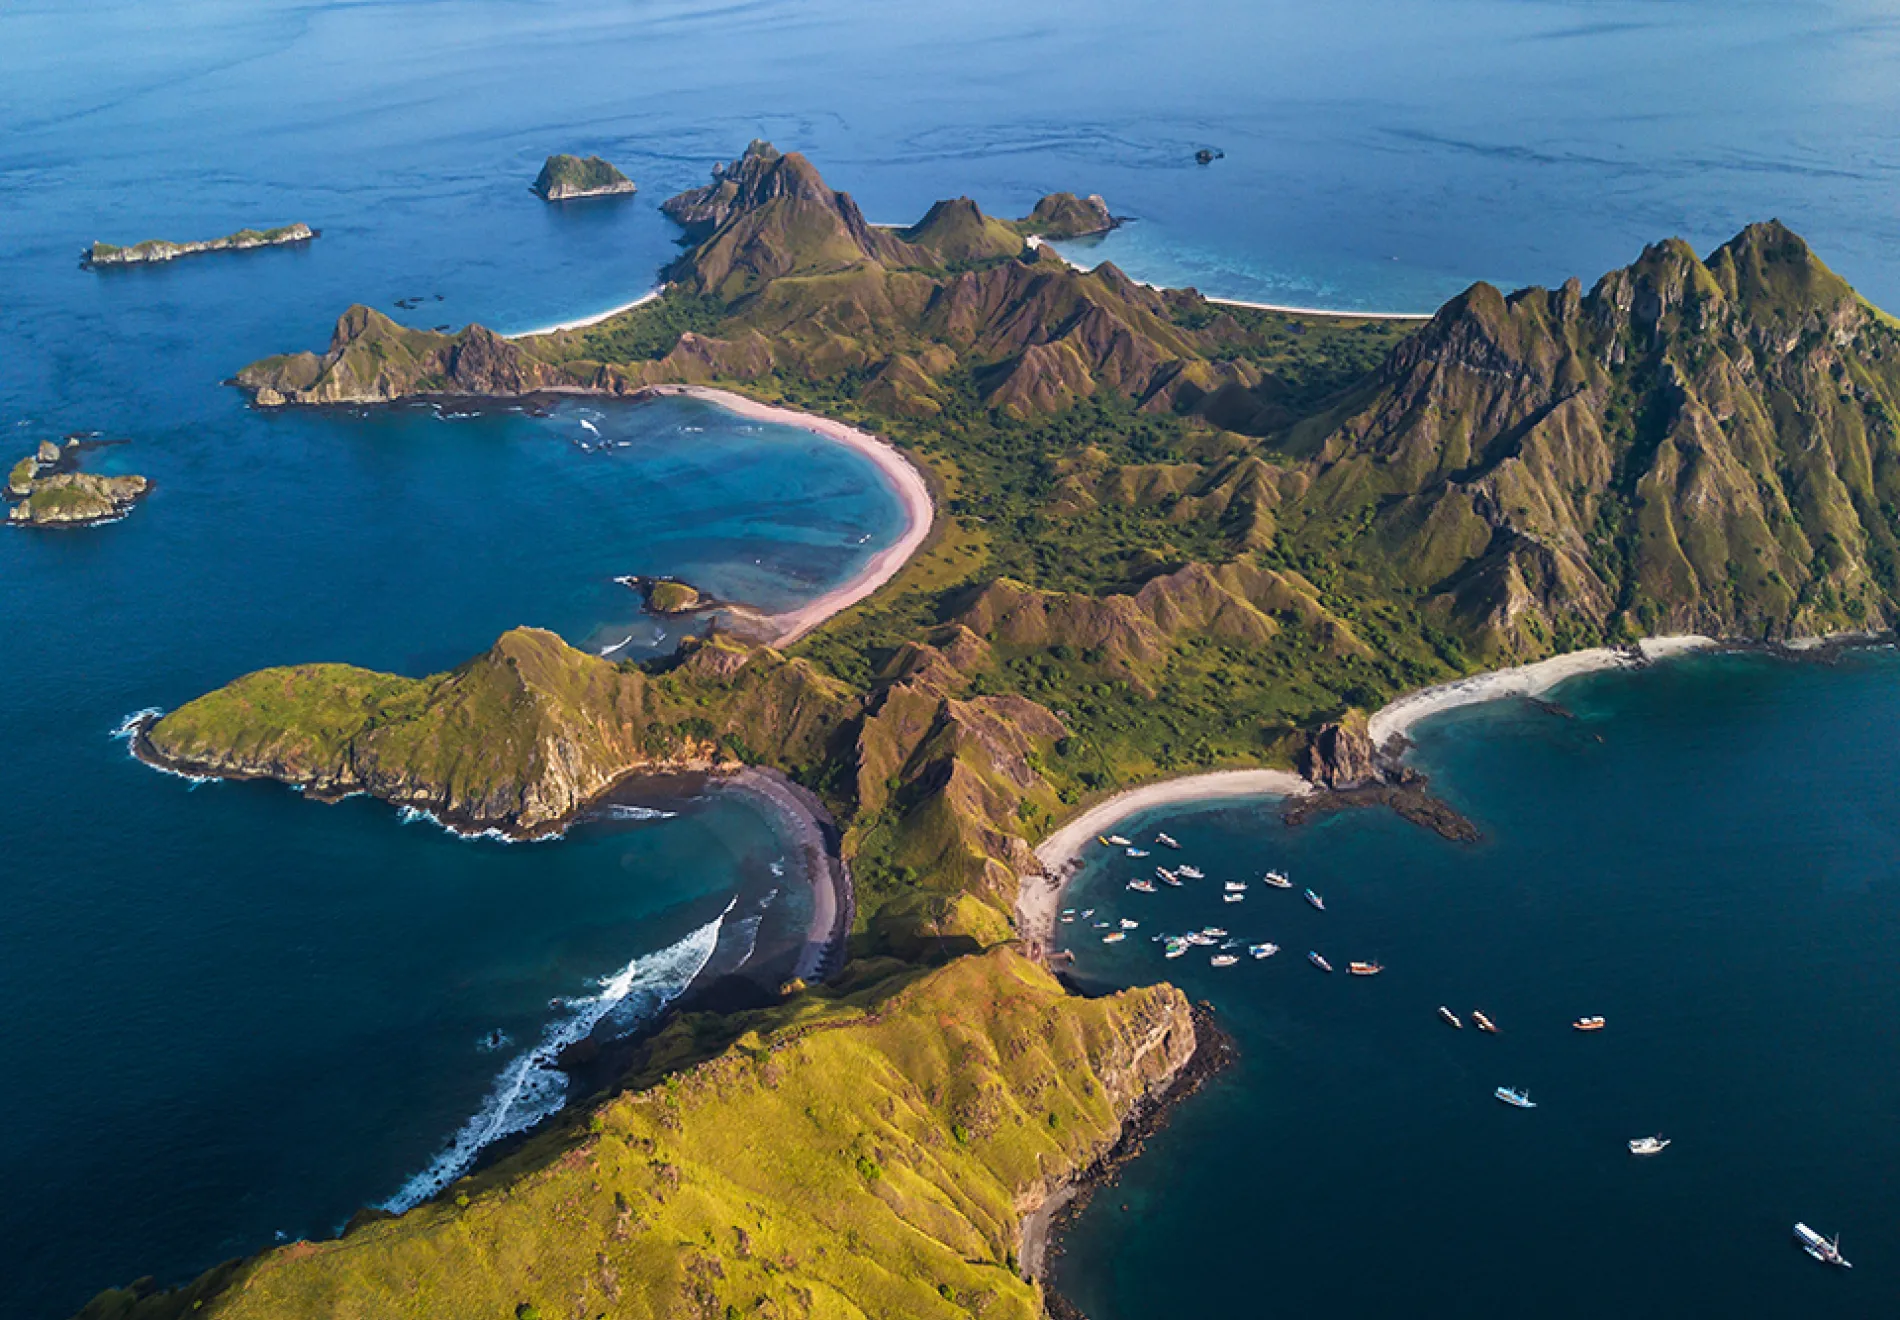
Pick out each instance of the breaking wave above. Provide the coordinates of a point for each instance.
(128, 729)
(531, 1087)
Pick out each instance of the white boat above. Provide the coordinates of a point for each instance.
(1235, 886)
(1129, 923)
(1222, 960)
(1166, 840)
(1175, 948)
(1114, 937)
(1087, 913)
(1450, 1017)
(1516, 1097)
(1826, 1251)
(1316, 900)
(1649, 1145)
(1171, 880)
(1142, 886)
(1277, 879)
(1068, 921)
(1193, 873)
(1115, 841)
(1215, 931)
(1263, 950)
(1318, 961)
(1195, 937)
(1137, 852)
(1233, 898)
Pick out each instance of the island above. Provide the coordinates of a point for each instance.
(566, 178)
(158, 249)
(52, 492)
(1177, 544)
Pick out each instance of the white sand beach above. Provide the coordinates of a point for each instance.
(1039, 896)
(902, 475)
(595, 319)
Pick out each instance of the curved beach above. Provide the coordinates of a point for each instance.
(595, 319)
(899, 473)
(1038, 896)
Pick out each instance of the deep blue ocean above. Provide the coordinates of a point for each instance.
(230, 1014)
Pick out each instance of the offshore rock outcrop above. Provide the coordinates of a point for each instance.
(158, 249)
(52, 492)
(570, 178)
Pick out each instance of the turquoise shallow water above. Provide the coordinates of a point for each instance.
(229, 1013)
(1707, 855)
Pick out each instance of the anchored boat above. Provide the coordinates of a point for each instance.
(1823, 1250)
(1516, 1097)
(1263, 950)
(1484, 1023)
(1365, 968)
(1316, 900)
(1114, 937)
(1142, 886)
(1166, 840)
(1223, 960)
(1137, 852)
(1235, 886)
(1277, 879)
(1450, 1017)
(1588, 1024)
(1193, 873)
(1233, 898)
(1649, 1145)
(1319, 962)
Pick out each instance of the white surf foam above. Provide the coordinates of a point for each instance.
(616, 646)
(422, 815)
(531, 1087)
(628, 811)
(128, 729)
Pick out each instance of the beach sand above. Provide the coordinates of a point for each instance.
(816, 836)
(595, 319)
(1530, 680)
(1039, 896)
(903, 477)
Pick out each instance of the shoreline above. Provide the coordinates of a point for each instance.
(1038, 243)
(1039, 896)
(903, 477)
(834, 900)
(582, 323)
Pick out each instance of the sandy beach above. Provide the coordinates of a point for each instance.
(595, 319)
(1039, 896)
(1392, 721)
(903, 477)
(1036, 242)
(816, 835)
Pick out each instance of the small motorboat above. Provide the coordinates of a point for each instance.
(1193, 873)
(1114, 937)
(1116, 841)
(1166, 840)
(1068, 921)
(1196, 937)
(1233, 898)
(1087, 913)
(1365, 968)
(1516, 1097)
(1142, 886)
(1319, 962)
(1588, 1024)
(1137, 852)
(1450, 1017)
(1175, 948)
(1822, 1249)
(1214, 932)
(1235, 886)
(1263, 950)
(1129, 923)
(1484, 1023)
(1649, 1145)
(1316, 900)
(1277, 879)
(1222, 960)
(1103, 925)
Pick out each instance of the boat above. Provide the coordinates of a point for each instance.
(1170, 879)
(1516, 1097)
(1230, 944)
(1233, 898)
(1175, 949)
(1116, 841)
(1142, 886)
(1129, 923)
(1649, 1145)
(1114, 937)
(1195, 937)
(1319, 962)
(1193, 873)
(1484, 1023)
(1102, 925)
(1163, 873)
(1277, 879)
(1214, 932)
(1166, 840)
(1263, 950)
(1588, 1024)
(1068, 921)
(1828, 1253)
(1087, 913)
(1235, 886)
(1222, 960)
(1450, 1017)
(1137, 852)
(1365, 968)
(1316, 900)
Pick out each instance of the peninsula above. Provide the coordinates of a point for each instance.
(1170, 538)
(158, 249)
(52, 492)
(567, 178)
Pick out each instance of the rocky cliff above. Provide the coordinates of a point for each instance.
(567, 178)
(53, 493)
(158, 249)
(871, 1154)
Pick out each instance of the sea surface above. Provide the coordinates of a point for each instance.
(1706, 854)
(230, 1014)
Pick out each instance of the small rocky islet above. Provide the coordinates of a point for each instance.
(154, 250)
(570, 178)
(51, 492)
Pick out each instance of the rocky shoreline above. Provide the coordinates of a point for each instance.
(1044, 1227)
(157, 249)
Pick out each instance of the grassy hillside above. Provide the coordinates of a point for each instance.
(867, 1153)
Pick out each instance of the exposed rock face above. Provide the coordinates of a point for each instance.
(1340, 755)
(1689, 447)
(566, 178)
(1064, 215)
(158, 249)
(53, 494)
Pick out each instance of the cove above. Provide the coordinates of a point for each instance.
(1704, 852)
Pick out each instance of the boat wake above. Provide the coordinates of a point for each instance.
(628, 811)
(530, 1088)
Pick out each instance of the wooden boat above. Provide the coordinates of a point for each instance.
(1588, 1024)
(1484, 1023)
(1516, 1097)
(1223, 960)
(1649, 1145)
(1450, 1017)
(1277, 879)
(1365, 968)
(1166, 841)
